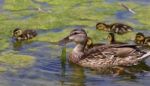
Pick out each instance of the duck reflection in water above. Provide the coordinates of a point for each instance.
(77, 76)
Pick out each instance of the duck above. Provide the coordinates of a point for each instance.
(117, 28)
(21, 35)
(140, 39)
(102, 57)
(111, 39)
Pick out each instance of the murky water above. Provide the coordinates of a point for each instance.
(50, 70)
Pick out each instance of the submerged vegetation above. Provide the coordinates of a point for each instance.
(9, 61)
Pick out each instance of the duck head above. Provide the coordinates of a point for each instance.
(78, 36)
(17, 32)
(101, 26)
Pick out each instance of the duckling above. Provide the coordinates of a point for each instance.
(118, 28)
(112, 40)
(21, 35)
(141, 39)
(102, 57)
(90, 43)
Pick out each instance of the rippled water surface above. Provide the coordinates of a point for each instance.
(50, 70)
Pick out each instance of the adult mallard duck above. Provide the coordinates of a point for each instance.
(104, 56)
(118, 28)
(112, 40)
(21, 35)
(141, 39)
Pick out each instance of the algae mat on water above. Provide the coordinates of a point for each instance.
(9, 62)
(60, 14)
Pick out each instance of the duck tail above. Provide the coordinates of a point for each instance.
(144, 56)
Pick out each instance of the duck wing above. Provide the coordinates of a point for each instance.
(117, 50)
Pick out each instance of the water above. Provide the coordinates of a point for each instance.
(50, 70)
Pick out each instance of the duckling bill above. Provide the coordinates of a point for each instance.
(103, 56)
(21, 35)
(118, 28)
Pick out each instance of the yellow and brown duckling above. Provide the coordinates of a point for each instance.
(141, 39)
(118, 28)
(112, 40)
(21, 35)
(104, 56)
(90, 43)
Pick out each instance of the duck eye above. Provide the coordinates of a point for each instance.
(75, 33)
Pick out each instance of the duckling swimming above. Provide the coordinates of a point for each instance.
(104, 56)
(141, 39)
(118, 28)
(21, 35)
(112, 40)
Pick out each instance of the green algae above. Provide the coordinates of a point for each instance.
(18, 4)
(3, 69)
(25, 14)
(10, 61)
(4, 43)
(143, 15)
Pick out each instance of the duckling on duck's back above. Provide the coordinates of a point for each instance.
(112, 40)
(90, 43)
(118, 28)
(103, 56)
(21, 35)
(141, 39)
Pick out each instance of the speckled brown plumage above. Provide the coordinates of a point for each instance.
(21, 35)
(118, 28)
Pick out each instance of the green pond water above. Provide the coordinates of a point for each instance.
(37, 62)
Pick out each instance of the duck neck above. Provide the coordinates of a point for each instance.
(142, 41)
(112, 40)
(77, 53)
(79, 48)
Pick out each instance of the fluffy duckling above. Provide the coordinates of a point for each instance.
(141, 39)
(104, 56)
(118, 28)
(21, 35)
(112, 40)
(90, 43)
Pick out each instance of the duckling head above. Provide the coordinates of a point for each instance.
(17, 32)
(101, 26)
(89, 42)
(111, 37)
(78, 36)
(140, 37)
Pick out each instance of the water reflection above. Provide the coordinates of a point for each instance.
(76, 77)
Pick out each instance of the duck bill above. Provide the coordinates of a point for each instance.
(64, 41)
